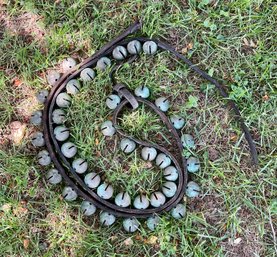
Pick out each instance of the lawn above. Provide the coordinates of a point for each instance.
(234, 41)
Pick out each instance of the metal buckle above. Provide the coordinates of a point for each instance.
(124, 92)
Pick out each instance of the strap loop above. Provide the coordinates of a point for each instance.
(124, 92)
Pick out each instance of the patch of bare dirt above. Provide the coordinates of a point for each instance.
(27, 24)
(180, 40)
(24, 102)
(23, 99)
(18, 131)
(248, 47)
(212, 206)
(212, 121)
(247, 245)
(248, 242)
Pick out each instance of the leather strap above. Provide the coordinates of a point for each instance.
(63, 165)
(124, 92)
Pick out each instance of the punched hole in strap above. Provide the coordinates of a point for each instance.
(124, 92)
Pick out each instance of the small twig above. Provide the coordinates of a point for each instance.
(273, 231)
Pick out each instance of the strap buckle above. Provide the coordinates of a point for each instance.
(123, 91)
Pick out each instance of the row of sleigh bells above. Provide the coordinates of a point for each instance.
(92, 179)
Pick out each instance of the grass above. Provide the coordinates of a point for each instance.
(235, 41)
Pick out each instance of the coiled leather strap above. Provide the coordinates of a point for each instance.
(75, 181)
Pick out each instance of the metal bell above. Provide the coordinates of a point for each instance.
(80, 166)
(119, 53)
(36, 118)
(162, 103)
(127, 145)
(42, 96)
(69, 149)
(61, 133)
(52, 77)
(87, 74)
(169, 189)
(157, 199)
(69, 194)
(88, 208)
(113, 101)
(130, 225)
(38, 139)
(73, 87)
(105, 191)
(44, 158)
(123, 199)
(53, 176)
(152, 222)
(103, 63)
(193, 164)
(163, 160)
(178, 211)
(63, 100)
(106, 218)
(177, 121)
(134, 47)
(141, 202)
(193, 189)
(92, 180)
(170, 173)
(68, 64)
(58, 116)
(188, 141)
(108, 128)
(142, 91)
(148, 153)
(150, 47)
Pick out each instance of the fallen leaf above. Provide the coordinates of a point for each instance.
(249, 43)
(5, 207)
(113, 238)
(184, 50)
(23, 202)
(26, 243)
(20, 211)
(148, 165)
(190, 46)
(128, 241)
(234, 138)
(151, 240)
(17, 132)
(17, 82)
(265, 97)
(159, 136)
(245, 41)
(139, 237)
(237, 241)
(252, 44)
